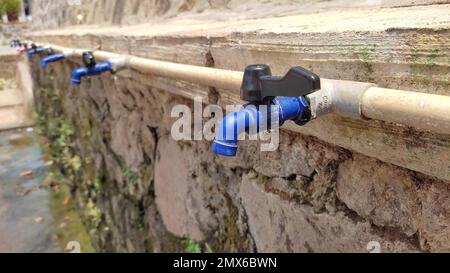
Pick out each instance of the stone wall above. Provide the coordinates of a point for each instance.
(49, 14)
(55, 13)
(12, 31)
(140, 190)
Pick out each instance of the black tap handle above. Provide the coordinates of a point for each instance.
(88, 59)
(259, 84)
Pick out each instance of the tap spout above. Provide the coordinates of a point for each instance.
(50, 59)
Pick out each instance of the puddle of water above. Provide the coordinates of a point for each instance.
(19, 230)
(33, 218)
(21, 141)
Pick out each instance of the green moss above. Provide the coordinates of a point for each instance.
(172, 244)
(130, 175)
(415, 57)
(192, 246)
(208, 248)
(431, 60)
(65, 132)
(94, 214)
(231, 238)
(97, 185)
(57, 137)
(68, 224)
(365, 56)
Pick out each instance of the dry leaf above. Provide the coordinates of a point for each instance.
(48, 163)
(66, 200)
(39, 220)
(26, 173)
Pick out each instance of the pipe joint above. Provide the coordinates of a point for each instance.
(119, 63)
(68, 53)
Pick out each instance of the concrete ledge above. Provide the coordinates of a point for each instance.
(16, 102)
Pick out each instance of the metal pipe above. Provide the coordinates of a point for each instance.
(424, 111)
(220, 78)
(354, 99)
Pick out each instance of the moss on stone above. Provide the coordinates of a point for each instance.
(192, 246)
(68, 224)
(130, 175)
(231, 239)
(431, 60)
(94, 214)
(172, 244)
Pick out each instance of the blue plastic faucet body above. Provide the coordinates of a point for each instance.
(38, 50)
(50, 59)
(98, 69)
(251, 116)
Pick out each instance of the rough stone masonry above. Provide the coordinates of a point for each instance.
(139, 190)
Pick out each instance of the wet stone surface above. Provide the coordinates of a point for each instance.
(25, 216)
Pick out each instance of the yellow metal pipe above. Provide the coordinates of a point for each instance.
(354, 99)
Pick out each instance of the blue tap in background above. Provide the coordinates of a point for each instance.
(97, 69)
(51, 59)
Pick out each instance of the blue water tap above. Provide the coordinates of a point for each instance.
(260, 88)
(37, 50)
(97, 69)
(250, 116)
(52, 58)
(92, 68)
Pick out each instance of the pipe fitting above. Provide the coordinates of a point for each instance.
(341, 97)
(345, 98)
(119, 63)
(68, 53)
